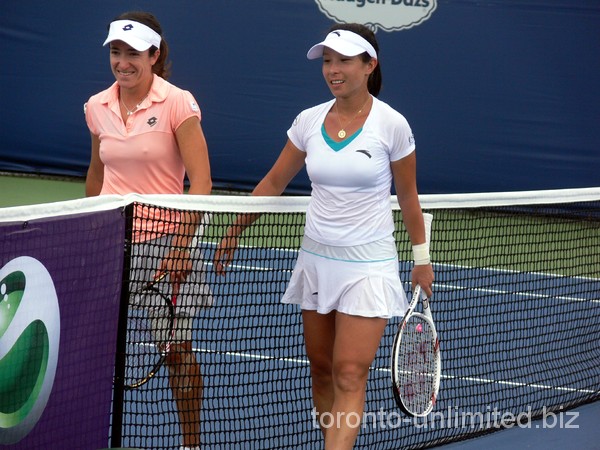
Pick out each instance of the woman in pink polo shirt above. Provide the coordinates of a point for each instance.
(146, 135)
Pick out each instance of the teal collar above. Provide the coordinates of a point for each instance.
(337, 146)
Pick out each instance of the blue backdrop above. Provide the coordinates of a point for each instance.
(501, 95)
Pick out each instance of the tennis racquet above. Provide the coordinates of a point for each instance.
(150, 333)
(416, 359)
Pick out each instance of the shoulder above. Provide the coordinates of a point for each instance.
(389, 122)
(164, 91)
(393, 130)
(314, 112)
(388, 113)
(307, 123)
(161, 90)
(317, 109)
(100, 100)
(105, 96)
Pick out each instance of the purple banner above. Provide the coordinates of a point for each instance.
(60, 281)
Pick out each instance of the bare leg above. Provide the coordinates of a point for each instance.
(356, 342)
(319, 334)
(186, 383)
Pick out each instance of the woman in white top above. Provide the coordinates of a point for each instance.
(346, 278)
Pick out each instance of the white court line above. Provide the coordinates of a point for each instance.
(451, 266)
(507, 383)
(388, 370)
(506, 292)
(253, 356)
(442, 286)
(439, 285)
(450, 286)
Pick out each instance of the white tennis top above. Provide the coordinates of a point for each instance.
(351, 185)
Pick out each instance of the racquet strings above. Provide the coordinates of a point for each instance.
(417, 364)
(149, 334)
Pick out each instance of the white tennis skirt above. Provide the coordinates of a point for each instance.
(360, 280)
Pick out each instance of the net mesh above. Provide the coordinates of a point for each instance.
(515, 303)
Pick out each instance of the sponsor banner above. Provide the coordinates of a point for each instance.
(388, 15)
(60, 284)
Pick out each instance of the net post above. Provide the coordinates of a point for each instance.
(120, 353)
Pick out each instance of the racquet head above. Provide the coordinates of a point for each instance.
(150, 330)
(416, 359)
(416, 365)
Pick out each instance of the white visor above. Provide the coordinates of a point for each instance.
(135, 34)
(344, 42)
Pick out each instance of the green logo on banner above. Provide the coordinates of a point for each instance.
(29, 341)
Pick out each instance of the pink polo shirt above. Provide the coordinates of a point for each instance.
(141, 155)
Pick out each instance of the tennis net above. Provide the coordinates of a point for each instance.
(516, 303)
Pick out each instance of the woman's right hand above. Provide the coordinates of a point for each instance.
(224, 254)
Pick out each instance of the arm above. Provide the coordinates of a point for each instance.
(194, 153)
(405, 180)
(95, 173)
(288, 164)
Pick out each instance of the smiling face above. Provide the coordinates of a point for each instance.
(346, 75)
(131, 68)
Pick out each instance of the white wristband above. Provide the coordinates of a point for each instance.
(421, 254)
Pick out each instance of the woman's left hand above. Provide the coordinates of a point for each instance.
(423, 276)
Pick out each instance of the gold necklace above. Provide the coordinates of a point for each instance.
(135, 108)
(342, 132)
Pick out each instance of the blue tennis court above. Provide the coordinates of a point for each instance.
(257, 386)
(577, 429)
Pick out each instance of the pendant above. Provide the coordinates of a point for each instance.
(341, 134)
